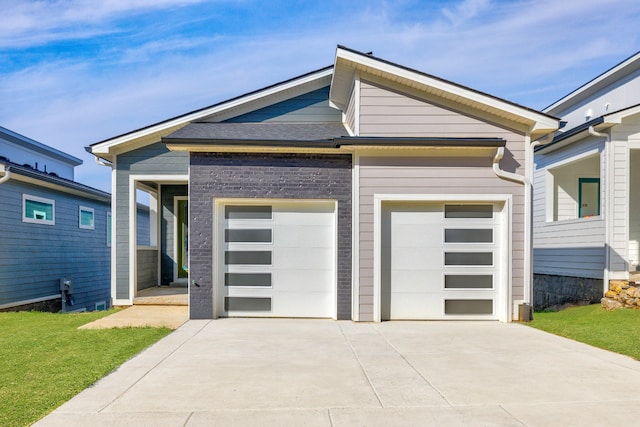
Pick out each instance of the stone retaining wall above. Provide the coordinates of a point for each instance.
(550, 291)
(621, 293)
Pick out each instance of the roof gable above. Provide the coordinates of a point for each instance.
(351, 65)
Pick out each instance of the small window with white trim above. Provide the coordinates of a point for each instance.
(86, 218)
(38, 210)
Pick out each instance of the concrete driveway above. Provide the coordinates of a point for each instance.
(284, 372)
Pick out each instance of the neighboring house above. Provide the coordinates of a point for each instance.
(51, 228)
(586, 224)
(365, 190)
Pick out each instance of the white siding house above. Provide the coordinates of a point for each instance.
(586, 224)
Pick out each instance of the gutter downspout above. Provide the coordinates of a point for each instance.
(608, 193)
(6, 177)
(102, 162)
(527, 181)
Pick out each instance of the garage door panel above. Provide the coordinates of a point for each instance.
(299, 280)
(415, 258)
(302, 304)
(414, 280)
(421, 246)
(300, 235)
(409, 236)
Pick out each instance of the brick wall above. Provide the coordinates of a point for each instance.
(281, 176)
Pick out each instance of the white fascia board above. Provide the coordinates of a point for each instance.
(540, 121)
(106, 146)
(616, 118)
(596, 84)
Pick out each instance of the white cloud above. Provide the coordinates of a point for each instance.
(531, 52)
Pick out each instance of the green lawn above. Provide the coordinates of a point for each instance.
(617, 330)
(45, 360)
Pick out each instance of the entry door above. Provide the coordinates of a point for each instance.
(277, 259)
(439, 261)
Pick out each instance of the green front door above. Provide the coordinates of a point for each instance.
(183, 239)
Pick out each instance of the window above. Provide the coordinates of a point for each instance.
(38, 210)
(109, 229)
(588, 197)
(85, 218)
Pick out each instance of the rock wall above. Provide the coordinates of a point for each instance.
(553, 291)
(621, 294)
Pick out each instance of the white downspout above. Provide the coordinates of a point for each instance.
(526, 180)
(101, 162)
(6, 177)
(607, 217)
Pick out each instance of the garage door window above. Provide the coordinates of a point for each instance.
(468, 307)
(248, 236)
(247, 304)
(247, 279)
(247, 257)
(468, 281)
(468, 235)
(468, 258)
(468, 211)
(248, 212)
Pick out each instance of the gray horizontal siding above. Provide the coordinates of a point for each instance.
(309, 107)
(33, 257)
(424, 176)
(561, 261)
(147, 273)
(154, 159)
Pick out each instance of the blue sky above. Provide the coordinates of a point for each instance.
(74, 72)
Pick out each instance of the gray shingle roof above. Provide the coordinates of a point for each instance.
(201, 131)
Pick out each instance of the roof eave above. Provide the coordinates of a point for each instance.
(159, 129)
(347, 61)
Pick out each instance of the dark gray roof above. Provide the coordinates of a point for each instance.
(55, 179)
(211, 132)
(306, 135)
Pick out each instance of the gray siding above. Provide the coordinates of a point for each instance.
(154, 159)
(147, 272)
(309, 107)
(143, 236)
(167, 230)
(33, 257)
(574, 248)
(384, 112)
(285, 176)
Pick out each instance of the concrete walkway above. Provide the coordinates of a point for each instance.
(138, 316)
(282, 372)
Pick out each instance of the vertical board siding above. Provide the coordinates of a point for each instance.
(154, 159)
(309, 107)
(33, 257)
(570, 247)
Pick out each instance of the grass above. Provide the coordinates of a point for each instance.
(617, 331)
(45, 360)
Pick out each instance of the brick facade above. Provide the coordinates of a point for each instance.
(278, 176)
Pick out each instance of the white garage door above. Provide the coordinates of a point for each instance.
(440, 261)
(277, 259)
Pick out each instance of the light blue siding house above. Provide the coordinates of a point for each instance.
(585, 216)
(53, 230)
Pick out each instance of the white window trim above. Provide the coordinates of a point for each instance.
(109, 237)
(26, 197)
(93, 215)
